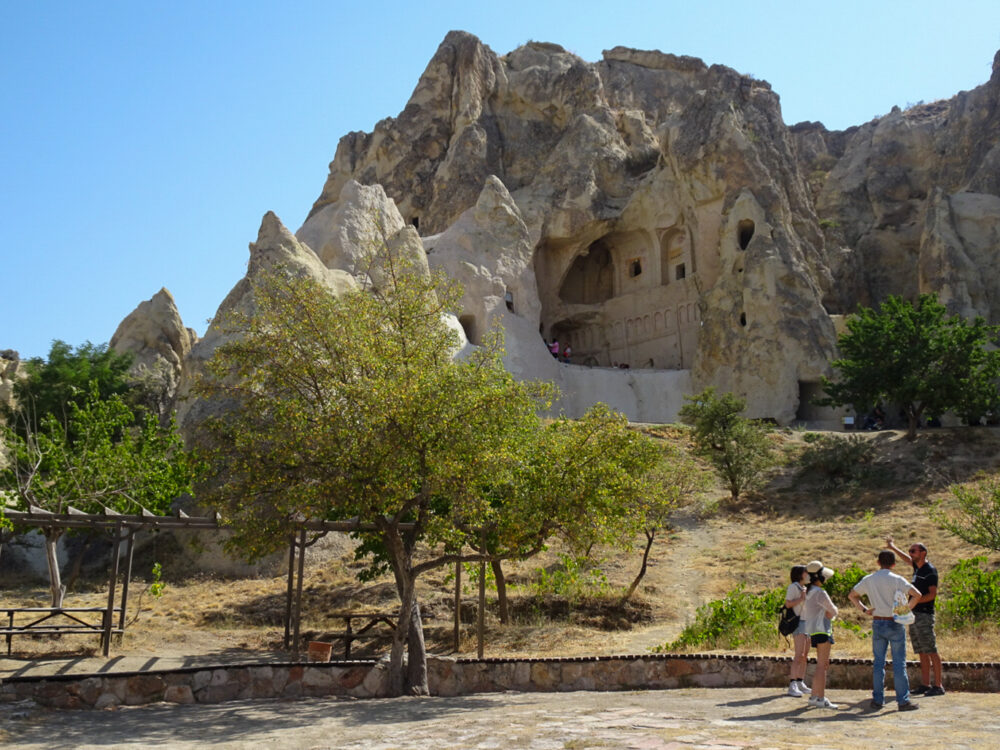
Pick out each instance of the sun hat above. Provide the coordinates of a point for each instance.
(817, 567)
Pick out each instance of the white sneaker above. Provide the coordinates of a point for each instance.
(823, 702)
(794, 690)
(803, 688)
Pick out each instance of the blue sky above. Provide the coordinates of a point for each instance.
(143, 141)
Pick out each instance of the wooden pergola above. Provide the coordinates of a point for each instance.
(123, 528)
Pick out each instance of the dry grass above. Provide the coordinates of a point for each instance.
(753, 542)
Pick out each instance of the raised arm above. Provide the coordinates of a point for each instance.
(891, 545)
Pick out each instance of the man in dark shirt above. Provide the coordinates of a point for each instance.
(925, 578)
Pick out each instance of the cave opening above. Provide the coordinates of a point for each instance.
(468, 323)
(591, 278)
(744, 232)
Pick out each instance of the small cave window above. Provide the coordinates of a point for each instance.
(415, 221)
(744, 232)
(508, 299)
(743, 319)
(679, 272)
(469, 326)
(634, 267)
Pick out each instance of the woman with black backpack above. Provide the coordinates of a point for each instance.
(795, 597)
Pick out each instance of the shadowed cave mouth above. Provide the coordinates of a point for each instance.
(468, 323)
(744, 233)
(590, 280)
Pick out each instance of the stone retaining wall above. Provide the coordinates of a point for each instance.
(447, 676)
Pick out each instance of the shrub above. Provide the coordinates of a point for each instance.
(575, 578)
(841, 584)
(973, 595)
(977, 519)
(738, 619)
(839, 461)
(745, 619)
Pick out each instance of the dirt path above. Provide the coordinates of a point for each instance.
(678, 576)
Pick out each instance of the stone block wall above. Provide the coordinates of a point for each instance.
(451, 677)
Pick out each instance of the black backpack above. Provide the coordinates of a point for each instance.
(788, 622)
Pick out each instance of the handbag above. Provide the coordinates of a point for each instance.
(789, 621)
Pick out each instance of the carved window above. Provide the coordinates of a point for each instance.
(634, 267)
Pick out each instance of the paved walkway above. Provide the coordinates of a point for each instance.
(649, 720)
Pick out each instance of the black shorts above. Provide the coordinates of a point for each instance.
(818, 638)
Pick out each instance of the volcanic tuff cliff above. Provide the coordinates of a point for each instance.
(653, 211)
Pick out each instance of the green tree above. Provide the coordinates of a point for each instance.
(977, 517)
(65, 377)
(738, 448)
(674, 480)
(98, 457)
(354, 407)
(918, 358)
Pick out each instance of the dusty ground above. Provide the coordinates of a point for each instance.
(711, 548)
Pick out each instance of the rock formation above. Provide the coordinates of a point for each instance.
(10, 370)
(662, 209)
(910, 202)
(657, 215)
(275, 248)
(156, 337)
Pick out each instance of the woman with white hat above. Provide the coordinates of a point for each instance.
(818, 613)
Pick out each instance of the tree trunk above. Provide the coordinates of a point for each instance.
(650, 536)
(501, 592)
(52, 557)
(913, 420)
(416, 664)
(397, 679)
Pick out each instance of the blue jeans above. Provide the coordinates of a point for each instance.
(885, 634)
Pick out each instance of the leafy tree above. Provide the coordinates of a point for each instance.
(602, 477)
(977, 518)
(738, 448)
(98, 457)
(676, 478)
(917, 357)
(65, 378)
(353, 407)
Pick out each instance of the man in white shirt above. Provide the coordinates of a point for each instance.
(884, 590)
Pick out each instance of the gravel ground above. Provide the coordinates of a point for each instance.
(690, 718)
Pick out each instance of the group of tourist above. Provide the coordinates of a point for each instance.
(563, 355)
(889, 598)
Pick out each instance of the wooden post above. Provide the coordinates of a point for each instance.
(112, 583)
(298, 589)
(458, 605)
(481, 620)
(128, 577)
(288, 594)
